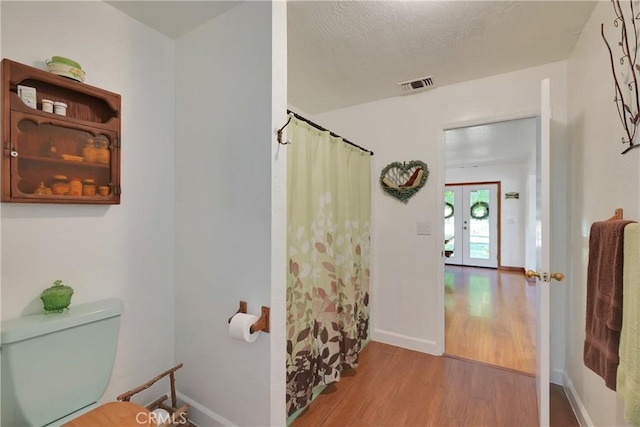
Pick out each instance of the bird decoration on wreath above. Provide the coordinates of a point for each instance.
(403, 180)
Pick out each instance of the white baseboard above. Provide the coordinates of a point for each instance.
(576, 404)
(202, 416)
(557, 377)
(405, 341)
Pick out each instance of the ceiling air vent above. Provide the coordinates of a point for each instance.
(417, 85)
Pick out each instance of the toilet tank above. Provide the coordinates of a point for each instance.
(56, 364)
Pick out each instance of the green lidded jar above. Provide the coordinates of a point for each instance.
(57, 297)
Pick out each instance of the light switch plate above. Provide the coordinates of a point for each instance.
(423, 228)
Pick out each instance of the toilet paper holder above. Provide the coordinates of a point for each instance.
(262, 324)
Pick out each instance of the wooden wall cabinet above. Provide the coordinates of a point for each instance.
(40, 149)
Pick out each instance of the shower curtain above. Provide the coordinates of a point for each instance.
(329, 210)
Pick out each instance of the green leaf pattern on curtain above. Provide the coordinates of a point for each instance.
(329, 204)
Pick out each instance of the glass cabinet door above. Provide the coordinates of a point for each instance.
(61, 162)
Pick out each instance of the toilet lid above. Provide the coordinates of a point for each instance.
(115, 414)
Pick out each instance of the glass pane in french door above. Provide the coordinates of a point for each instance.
(479, 230)
(449, 223)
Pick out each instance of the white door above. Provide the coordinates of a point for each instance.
(471, 225)
(543, 254)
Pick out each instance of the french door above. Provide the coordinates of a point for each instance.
(471, 224)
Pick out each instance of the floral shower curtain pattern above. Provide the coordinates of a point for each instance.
(329, 211)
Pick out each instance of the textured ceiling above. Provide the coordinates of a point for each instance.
(343, 53)
(491, 144)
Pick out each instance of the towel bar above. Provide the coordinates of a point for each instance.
(618, 216)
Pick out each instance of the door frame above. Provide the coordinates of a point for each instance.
(440, 188)
(499, 216)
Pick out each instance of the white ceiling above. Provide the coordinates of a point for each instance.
(344, 53)
(490, 144)
(173, 18)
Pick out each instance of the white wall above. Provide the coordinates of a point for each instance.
(123, 251)
(407, 284)
(602, 180)
(512, 219)
(279, 262)
(223, 161)
(530, 213)
(0, 184)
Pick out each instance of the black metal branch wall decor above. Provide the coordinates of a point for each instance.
(625, 72)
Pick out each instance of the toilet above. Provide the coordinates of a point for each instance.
(55, 368)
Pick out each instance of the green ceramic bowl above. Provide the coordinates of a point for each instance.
(66, 70)
(67, 61)
(57, 297)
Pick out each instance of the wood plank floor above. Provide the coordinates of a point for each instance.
(560, 409)
(490, 317)
(398, 387)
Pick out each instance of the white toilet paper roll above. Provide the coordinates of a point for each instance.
(240, 325)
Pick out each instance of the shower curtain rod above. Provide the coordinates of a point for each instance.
(317, 126)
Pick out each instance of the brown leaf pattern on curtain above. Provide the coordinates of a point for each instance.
(326, 325)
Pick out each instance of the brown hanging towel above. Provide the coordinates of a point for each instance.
(604, 299)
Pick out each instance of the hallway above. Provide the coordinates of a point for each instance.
(490, 317)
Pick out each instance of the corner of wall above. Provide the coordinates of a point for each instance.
(405, 341)
(202, 416)
(229, 219)
(576, 404)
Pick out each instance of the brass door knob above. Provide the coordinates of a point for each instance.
(545, 276)
(531, 274)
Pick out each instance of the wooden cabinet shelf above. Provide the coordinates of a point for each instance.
(18, 105)
(43, 152)
(66, 163)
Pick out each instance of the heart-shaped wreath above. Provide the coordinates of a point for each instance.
(403, 180)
